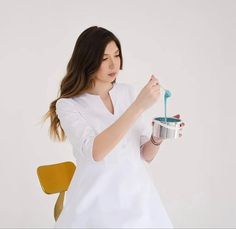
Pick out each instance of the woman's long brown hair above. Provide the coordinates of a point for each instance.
(85, 61)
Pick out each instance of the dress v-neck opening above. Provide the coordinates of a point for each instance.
(110, 92)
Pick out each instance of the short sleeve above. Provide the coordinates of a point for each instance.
(76, 128)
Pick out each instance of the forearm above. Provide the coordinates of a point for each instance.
(149, 150)
(110, 137)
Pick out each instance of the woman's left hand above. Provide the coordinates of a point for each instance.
(182, 124)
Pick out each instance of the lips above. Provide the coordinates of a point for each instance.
(112, 74)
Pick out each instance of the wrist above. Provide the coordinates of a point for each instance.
(137, 107)
(155, 141)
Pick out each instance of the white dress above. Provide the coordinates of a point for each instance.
(116, 192)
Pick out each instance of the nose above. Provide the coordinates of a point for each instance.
(111, 64)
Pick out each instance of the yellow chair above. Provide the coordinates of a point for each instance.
(56, 178)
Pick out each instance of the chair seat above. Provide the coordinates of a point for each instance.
(56, 178)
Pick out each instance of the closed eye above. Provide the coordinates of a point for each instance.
(115, 56)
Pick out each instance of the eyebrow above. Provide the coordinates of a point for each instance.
(115, 52)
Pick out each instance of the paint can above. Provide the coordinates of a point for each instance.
(168, 128)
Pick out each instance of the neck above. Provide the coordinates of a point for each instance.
(101, 89)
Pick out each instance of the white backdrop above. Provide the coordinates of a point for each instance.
(189, 45)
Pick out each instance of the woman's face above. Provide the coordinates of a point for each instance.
(110, 65)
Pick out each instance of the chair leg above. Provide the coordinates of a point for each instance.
(59, 205)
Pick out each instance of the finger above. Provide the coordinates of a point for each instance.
(154, 84)
(154, 78)
(151, 78)
(153, 81)
(176, 116)
(155, 89)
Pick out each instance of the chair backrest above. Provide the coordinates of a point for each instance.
(56, 178)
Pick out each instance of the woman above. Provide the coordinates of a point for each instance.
(103, 121)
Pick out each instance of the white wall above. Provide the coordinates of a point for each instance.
(189, 45)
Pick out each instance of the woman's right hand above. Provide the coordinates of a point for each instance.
(149, 95)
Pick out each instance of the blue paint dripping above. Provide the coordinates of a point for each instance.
(166, 96)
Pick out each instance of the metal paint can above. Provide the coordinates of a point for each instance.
(166, 129)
